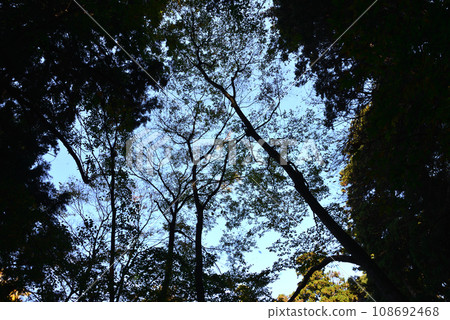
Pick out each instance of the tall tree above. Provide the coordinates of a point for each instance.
(185, 177)
(187, 155)
(106, 126)
(388, 73)
(170, 188)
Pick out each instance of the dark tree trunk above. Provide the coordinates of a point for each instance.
(383, 283)
(168, 272)
(386, 287)
(307, 276)
(198, 274)
(199, 257)
(113, 237)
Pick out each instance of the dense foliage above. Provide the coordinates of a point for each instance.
(389, 73)
(155, 215)
(54, 66)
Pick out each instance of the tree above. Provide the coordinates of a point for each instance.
(71, 62)
(204, 41)
(187, 177)
(82, 276)
(55, 62)
(31, 237)
(170, 189)
(387, 73)
(191, 165)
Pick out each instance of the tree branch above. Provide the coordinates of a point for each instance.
(28, 105)
(382, 281)
(321, 265)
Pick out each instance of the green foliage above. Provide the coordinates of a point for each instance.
(240, 285)
(325, 287)
(398, 211)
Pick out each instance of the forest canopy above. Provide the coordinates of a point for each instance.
(204, 132)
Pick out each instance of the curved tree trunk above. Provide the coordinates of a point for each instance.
(383, 283)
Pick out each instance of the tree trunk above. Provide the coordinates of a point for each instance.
(168, 272)
(113, 234)
(386, 287)
(198, 274)
(199, 257)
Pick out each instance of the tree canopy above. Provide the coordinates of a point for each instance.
(389, 76)
(179, 120)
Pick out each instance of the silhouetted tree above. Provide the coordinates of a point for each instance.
(388, 74)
